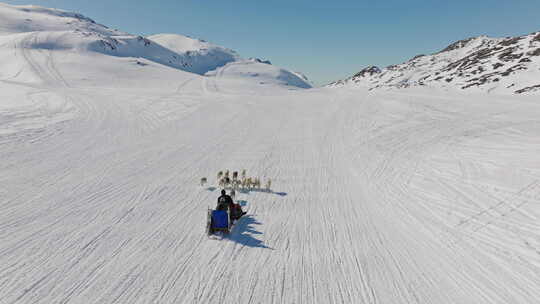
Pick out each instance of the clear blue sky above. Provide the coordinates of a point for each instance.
(326, 40)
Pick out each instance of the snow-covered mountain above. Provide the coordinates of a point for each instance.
(38, 28)
(196, 55)
(502, 65)
(32, 18)
(262, 72)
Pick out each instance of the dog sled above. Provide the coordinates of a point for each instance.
(221, 221)
(218, 221)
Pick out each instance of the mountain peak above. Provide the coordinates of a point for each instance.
(510, 64)
(458, 44)
(368, 71)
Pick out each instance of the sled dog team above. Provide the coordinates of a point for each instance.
(227, 211)
(226, 180)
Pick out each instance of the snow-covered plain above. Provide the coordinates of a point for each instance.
(409, 196)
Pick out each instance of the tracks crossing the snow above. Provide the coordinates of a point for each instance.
(378, 198)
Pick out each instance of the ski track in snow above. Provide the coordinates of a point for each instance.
(377, 198)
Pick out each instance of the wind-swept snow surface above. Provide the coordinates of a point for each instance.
(412, 196)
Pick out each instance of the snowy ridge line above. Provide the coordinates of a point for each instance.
(61, 31)
(504, 65)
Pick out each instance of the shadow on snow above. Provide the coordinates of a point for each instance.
(247, 191)
(244, 231)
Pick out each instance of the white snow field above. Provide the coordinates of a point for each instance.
(412, 196)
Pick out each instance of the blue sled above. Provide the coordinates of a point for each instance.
(217, 220)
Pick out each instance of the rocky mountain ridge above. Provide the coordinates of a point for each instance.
(510, 65)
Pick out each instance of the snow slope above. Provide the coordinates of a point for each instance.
(198, 56)
(38, 28)
(262, 73)
(30, 18)
(208, 59)
(411, 196)
(503, 65)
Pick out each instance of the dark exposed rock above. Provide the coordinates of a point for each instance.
(472, 59)
(526, 59)
(144, 40)
(469, 85)
(516, 67)
(497, 65)
(417, 56)
(478, 81)
(107, 44)
(528, 89)
(510, 41)
(369, 71)
(421, 80)
(508, 55)
(534, 53)
(261, 61)
(456, 45)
